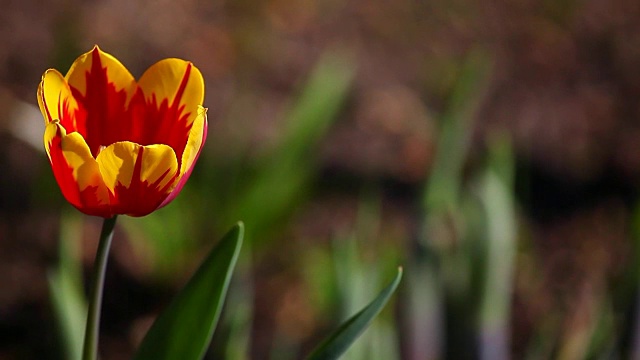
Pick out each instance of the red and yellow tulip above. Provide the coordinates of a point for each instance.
(117, 145)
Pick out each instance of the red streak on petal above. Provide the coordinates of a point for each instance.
(67, 117)
(183, 86)
(103, 117)
(85, 200)
(187, 174)
(141, 197)
(168, 124)
(64, 173)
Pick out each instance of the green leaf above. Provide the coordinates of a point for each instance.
(443, 187)
(284, 175)
(336, 344)
(65, 285)
(184, 330)
(71, 311)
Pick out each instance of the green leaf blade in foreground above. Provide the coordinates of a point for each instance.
(184, 329)
(336, 344)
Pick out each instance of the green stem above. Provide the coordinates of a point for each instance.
(90, 349)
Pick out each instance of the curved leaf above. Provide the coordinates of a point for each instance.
(336, 344)
(184, 329)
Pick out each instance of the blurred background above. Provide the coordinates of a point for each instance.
(491, 148)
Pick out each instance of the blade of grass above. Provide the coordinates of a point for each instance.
(441, 285)
(65, 285)
(284, 174)
(441, 192)
(354, 280)
(495, 194)
(338, 342)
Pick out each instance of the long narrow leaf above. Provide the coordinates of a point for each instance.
(336, 344)
(183, 331)
(495, 304)
(70, 309)
(442, 189)
(65, 285)
(285, 174)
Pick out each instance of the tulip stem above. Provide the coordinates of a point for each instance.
(90, 349)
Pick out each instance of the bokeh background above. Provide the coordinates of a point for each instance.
(491, 148)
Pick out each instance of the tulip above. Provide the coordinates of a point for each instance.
(117, 146)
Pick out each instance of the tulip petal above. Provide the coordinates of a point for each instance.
(174, 91)
(117, 164)
(176, 80)
(56, 100)
(104, 89)
(196, 140)
(159, 166)
(138, 177)
(76, 171)
(85, 66)
(197, 137)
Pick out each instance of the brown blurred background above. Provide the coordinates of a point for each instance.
(563, 80)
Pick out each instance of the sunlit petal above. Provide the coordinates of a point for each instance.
(159, 167)
(138, 177)
(76, 171)
(174, 90)
(56, 100)
(117, 163)
(197, 137)
(103, 88)
(177, 81)
(89, 63)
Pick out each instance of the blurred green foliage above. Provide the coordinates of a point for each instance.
(65, 283)
(460, 264)
(264, 191)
